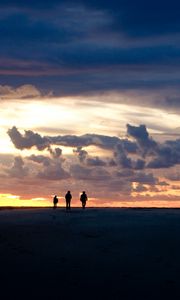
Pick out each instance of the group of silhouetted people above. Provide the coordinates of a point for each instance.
(68, 198)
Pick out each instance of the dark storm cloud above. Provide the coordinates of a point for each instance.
(91, 46)
(90, 59)
(164, 155)
(89, 161)
(121, 157)
(130, 147)
(30, 139)
(158, 155)
(101, 141)
(141, 135)
(139, 164)
(20, 4)
(167, 155)
(120, 147)
(129, 165)
(156, 17)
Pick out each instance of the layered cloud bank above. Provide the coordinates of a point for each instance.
(130, 169)
(92, 47)
(150, 153)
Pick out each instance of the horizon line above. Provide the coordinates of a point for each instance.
(87, 208)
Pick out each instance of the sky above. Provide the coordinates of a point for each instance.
(90, 100)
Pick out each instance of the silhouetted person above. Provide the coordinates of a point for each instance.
(68, 198)
(55, 201)
(83, 199)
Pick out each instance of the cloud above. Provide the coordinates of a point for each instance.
(144, 178)
(139, 164)
(135, 18)
(29, 139)
(121, 157)
(140, 188)
(26, 91)
(127, 154)
(53, 172)
(40, 159)
(18, 169)
(129, 146)
(82, 154)
(137, 176)
(91, 46)
(167, 155)
(85, 159)
(102, 141)
(174, 175)
(141, 135)
(113, 175)
(95, 161)
(55, 153)
(87, 173)
(124, 173)
(51, 168)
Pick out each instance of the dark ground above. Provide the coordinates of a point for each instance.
(91, 254)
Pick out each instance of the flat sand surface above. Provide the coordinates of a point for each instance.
(90, 254)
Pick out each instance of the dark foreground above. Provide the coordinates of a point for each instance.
(91, 254)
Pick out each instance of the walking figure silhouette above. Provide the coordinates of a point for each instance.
(68, 198)
(83, 199)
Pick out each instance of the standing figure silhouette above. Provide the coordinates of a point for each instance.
(55, 201)
(83, 199)
(68, 198)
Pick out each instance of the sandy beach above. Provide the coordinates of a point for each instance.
(91, 254)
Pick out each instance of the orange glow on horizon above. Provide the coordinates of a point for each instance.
(15, 201)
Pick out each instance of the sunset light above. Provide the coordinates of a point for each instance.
(89, 149)
(84, 110)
